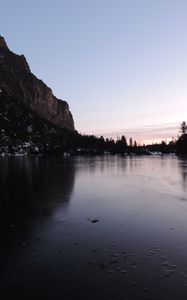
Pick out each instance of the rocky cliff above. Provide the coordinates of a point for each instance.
(17, 80)
(22, 131)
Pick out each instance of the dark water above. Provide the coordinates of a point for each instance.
(93, 228)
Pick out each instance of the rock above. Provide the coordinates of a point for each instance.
(93, 220)
(15, 139)
(17, 80)
(32, 119)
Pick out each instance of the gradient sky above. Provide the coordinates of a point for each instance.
(120, 64)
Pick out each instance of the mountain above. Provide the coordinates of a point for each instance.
(32, 119)
(17, 80)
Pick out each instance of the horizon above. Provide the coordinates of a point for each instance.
(124, 74)
(146, 130)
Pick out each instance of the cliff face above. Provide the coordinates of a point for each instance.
(22, 131)
(17, 80)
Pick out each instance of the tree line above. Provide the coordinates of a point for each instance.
(90, 144)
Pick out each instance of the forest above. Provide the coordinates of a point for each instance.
(92, 145)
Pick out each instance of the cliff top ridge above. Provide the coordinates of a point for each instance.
(34, 94)
(3, 42)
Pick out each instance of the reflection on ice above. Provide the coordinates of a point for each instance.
(106, 227)
(31, 184)
(183, 168)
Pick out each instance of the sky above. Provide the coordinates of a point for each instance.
(120, 64)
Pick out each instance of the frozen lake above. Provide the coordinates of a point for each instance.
(106, 227)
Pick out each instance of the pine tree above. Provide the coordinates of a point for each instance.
(183, 127)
